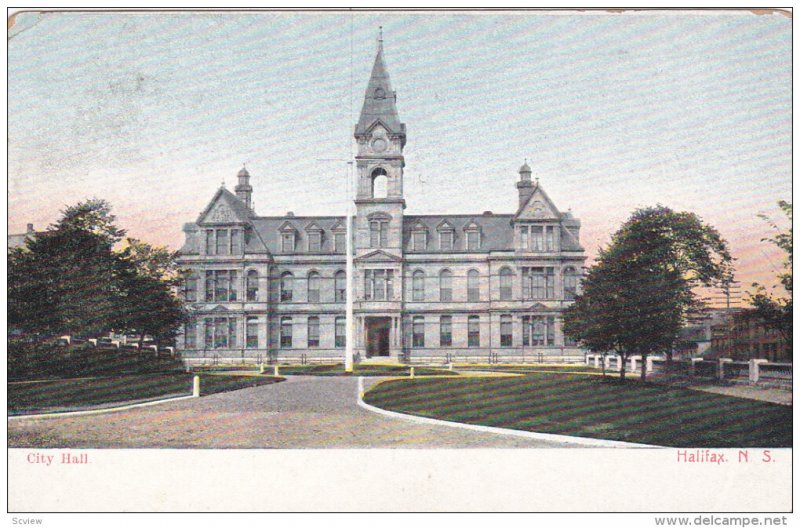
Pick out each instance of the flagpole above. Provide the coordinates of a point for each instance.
(348, 349)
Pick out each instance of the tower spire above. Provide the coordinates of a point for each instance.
(379, 99)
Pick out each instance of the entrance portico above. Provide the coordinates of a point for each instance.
(378, 336)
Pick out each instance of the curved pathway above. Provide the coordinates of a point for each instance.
(302, 412)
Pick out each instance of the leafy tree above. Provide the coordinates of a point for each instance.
(61, 281)
(776, 312)
(147, 304)
(638, 295)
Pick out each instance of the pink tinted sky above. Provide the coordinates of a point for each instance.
(614, 112)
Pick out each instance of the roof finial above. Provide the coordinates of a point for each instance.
(223, 183)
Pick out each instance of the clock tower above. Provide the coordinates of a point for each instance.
(379, 164)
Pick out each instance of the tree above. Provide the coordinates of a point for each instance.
(148, 277)
(776, 312)
(62, 280)
(638, 295)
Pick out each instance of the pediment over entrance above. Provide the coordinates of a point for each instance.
(538, 307)
(378, 256)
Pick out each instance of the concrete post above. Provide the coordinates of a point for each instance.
(450, 366)
(411, 372)
(607, 362)
(275, 370)
(587, 359)
(597, 361)
(196, 387)
(722, 361)
(649, 364)
(754, 369)
(633, 362)
(693, 366)
(261, 368)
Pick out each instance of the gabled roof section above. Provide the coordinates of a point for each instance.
(444, 225)
(379, 99)
(287, 226)
(225, 208)
(472, 225)
(538, 207)
(313, 226)
(418, 225)
(338, 225)
(379, 256)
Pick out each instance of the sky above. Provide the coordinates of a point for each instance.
(154, 111)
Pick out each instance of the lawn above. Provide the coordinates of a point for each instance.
(359, 370)
(523, 369)
(70, 394)
(594, 407)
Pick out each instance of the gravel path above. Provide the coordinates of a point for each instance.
(302, 412)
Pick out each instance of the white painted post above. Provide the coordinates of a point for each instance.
(607, 362)
(649, 364)
(597, 361)
(754, 369)
(450, 366)
(693, 367)
(722, 361)
(411, 373)
(196, 387)
(633, 362)
(261, 368)
(588, 360)
(275, 370)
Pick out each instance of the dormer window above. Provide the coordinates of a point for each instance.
(538, 238)
(446, 240)
(446, 236)
(224, 241)
(287, 242)
(473, 235)
(419, 240)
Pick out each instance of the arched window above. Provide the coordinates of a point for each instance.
(340, 286)
(473, 286)
(287, 286)
(446, 285)
(313, 286)
(570, 283)
(418, 286)
(252, 285)
(506, 278)
(380, 183)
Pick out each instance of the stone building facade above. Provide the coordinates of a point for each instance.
(426, 288)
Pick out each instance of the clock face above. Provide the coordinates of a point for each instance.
(379, 145)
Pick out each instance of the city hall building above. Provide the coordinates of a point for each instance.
(426, 288)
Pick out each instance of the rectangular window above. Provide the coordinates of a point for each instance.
(313, 332)
(445, 331)
(526, 330)
(339, 242)
(538, 283)
(523, 237)
(287, 243)
(190, 335)
(340, 331)
(190, 289)
(419, 240)
(474, 331)
(222, 242)
(537, 238)
(550, 238)
(473, 239)
(418, 286)
(378, 285)
(445, 286)
(210, 244)
(314, 242)
(551, 330)
(378, 233)
(506, 331)
(221, 332)
(418, 328)
(538, 330)
(251, 330)
(236, 242)
(286, 332)
(220, 286)
(446, 240)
